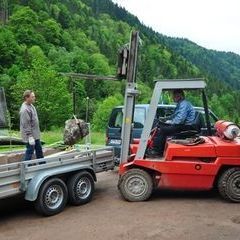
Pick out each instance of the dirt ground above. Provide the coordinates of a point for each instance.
(167, 215)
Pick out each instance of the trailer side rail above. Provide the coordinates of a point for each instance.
(15, 177)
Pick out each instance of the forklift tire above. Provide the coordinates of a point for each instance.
(136, 185)
(52, 197)
(229, 185)
(80, 188)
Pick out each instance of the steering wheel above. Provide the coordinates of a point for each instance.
(161, 122)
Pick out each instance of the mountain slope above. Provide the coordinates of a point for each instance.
(224, 66)
(43, 38)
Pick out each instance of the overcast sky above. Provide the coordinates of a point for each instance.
(213, 24)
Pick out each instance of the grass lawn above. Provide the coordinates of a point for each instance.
(50, 137)
(54, 136)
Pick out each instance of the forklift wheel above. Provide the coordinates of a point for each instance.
(136, 185)
(229, 185)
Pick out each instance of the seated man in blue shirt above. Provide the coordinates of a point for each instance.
(181, 120)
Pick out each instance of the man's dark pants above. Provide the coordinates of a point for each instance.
(166, 130)
(30, 150)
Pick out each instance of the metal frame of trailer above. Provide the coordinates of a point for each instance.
(27, 177)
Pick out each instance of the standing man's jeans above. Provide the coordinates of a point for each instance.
(30, 150)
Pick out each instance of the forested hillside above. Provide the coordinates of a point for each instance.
(223, 66)
(43, 38)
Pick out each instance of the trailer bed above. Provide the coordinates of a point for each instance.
(16, 177)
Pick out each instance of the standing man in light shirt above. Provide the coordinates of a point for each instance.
(29, 126)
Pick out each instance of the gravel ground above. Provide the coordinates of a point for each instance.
(167, 215)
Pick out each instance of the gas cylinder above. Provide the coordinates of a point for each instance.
(227, 130)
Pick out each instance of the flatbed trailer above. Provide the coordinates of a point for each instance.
(53, 181)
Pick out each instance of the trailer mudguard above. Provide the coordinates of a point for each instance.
(36, 182)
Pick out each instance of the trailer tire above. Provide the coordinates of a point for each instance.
(80, 188)
(52, 197)
(135, 185)
(229, 185)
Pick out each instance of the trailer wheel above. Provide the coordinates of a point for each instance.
(52, 197)
(136, 185)
(80, 188)
(229, 185)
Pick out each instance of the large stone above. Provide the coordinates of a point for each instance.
(75, 130)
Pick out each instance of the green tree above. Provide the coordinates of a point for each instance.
(101, 116)
(9, 48)
(53, 100)
(61, 59)
(24, 23)
(51, 31)
(99, 64)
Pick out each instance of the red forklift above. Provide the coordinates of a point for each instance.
(187, 164)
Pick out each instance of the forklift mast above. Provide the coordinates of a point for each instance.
(130, 94)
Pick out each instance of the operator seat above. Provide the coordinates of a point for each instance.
(196, 128)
